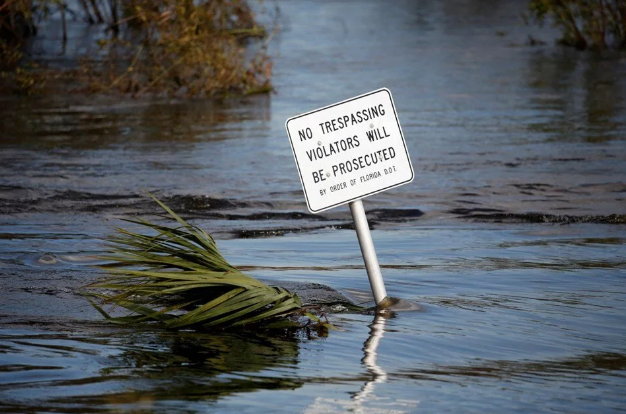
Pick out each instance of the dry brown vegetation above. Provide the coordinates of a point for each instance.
(183, 47)
(594, 24)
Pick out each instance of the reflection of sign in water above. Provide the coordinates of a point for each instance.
(349, 150)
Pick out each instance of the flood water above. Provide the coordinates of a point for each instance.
(512, 236)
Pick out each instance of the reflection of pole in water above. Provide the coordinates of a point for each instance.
(355, 405)
(378, 375)
(377, 329)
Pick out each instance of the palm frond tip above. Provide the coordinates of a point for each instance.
(178, 277)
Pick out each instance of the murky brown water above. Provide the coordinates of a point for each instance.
(512, 236)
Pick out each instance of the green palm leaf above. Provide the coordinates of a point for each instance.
(178, 277)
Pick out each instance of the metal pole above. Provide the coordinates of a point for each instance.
(369, 254)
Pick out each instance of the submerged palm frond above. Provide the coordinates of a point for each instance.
(179, 277)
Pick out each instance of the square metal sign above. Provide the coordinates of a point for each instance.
(349, 150)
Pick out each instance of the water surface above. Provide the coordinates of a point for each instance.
(512, 236)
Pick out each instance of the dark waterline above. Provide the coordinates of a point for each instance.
(512, 236)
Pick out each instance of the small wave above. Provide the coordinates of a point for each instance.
(273, 232)
(71, 195)
(571, 369)
(497, 216)
(188, 206)
(395, 214)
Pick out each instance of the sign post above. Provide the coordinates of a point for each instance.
(348, 151)
(368, 252)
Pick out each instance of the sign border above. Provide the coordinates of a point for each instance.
(306, 196)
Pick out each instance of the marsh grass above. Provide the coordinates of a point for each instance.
(593, 24)
(200, 48)
(146, 47)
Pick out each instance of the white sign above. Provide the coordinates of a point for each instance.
(349, 150)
